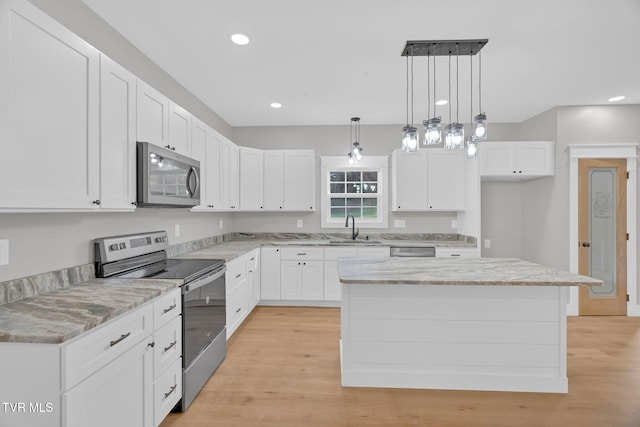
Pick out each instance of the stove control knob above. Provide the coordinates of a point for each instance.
(113, 247)
(123, 246)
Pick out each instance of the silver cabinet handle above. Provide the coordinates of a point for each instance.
(455, 254)
(123, 336)
(171, 390)
(170, 345)
(166, 310)
(238, 275)
(301, 253)
(238, 310)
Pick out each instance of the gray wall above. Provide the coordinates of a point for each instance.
(377, 140)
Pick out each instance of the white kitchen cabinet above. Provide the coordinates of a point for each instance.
(251, 179)
(179, 129)
(49, 113)
(428, 180)
(206, 147)
(237, 285)
(270, 273)
(273, 173)
(516, 160)
(253, 278)
(230, 175)
(152, 121)
(117, 136)
(449, 252)
(299, 180)
(302, 271)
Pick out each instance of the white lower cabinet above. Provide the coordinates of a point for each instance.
(167, 391)
(253, 278)
(301, 273)
(270, 273)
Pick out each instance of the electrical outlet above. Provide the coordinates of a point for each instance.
(299, 223)
(399, 223)
(221, 224)
(4, 252)
(177, 230)
(454, 224)
(487, 243)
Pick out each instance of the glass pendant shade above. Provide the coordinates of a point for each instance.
(480, 126)
(357, 151)
(351, 159)
(410, 139)
(472, 147)
(432, 133)
(454, 136)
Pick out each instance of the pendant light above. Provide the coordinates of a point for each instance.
(355, 149)
(409, 132)
(471, 142)
(432, 125)
(454, 138)
(480, 121)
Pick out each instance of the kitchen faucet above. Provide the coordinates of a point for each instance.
(354, 231)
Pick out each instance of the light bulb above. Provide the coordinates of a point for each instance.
(480, 131)
(471, 150)
(154, 160)
(358, 156)
(350, 160)
(160, 164)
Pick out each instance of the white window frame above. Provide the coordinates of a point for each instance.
(378, 164)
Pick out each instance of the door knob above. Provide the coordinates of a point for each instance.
(586, 244)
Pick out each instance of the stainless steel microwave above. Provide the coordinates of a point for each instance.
(166, 178)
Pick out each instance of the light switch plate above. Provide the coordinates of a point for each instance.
(221, 224)
(399, 223)
(454, 224)
(487, 243)
(299, 223)
(177, 230)
(4, 252)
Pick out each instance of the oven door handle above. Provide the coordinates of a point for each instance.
(205, 280)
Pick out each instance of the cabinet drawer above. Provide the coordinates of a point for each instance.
(167, 391)
(302, 253)
(332, 254)
(167, 307)
(236, 307)
(168, 346)
(96, 349)
(456, 252)
(236, 272)
(252, 260)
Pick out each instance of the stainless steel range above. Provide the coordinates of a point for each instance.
(204, 336)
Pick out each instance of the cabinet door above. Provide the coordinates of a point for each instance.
(153, 115)
(270, 274)
(179, 129)
(290, 280)
(273, 180)
(445, 179)
(205, 147)
(535, 158)
(332, 285)
(497, 158)
(49, 113)
(409, 176)
(117, 136)
(299, 180)
(312, 280)
(120, 394)
(199, 152)
(230, 175)
(253, 275)
(251, 182)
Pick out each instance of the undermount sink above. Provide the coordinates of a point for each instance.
(302, 242)
(354, 242)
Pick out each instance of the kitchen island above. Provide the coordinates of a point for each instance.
(463, 324)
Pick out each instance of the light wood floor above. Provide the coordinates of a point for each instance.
(283, 369)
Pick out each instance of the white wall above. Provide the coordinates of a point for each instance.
(335, 141)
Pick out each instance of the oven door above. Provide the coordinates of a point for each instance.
(204, 313)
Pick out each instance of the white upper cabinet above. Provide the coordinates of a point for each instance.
(49, 113)
(273, 180)
(251, 179)
(299, 180)
(230, 175)
(206, 147)
(117, 136)
(516, 160)
(152, 116)
(179, 129)
(428, 180)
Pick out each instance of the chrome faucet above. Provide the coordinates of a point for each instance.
(354, 231)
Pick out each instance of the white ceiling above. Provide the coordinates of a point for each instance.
(329, 60)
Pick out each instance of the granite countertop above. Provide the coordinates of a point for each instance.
(57, 316)
(458, 271)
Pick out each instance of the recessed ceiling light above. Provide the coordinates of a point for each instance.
(240, 39)
(275, 105)
(442, 102)
(616, 98)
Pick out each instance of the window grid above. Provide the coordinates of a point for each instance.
(354, 193)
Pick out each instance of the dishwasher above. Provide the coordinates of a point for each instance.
(408, 251)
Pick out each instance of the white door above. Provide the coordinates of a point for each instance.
(49, 113)
(299, 180)
(251, 182)
(290, 280)
(153, 116)
(179, 129)
(273, 180)
(446, 178)
(117, 136)
(312, 280)
(410, 176)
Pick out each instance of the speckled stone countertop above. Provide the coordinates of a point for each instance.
(62, 314)
(458, 271)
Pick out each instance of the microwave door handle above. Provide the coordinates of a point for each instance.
(194, 173)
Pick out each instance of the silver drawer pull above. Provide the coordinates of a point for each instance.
(123, 336)
(238, 275)
(171, 390)
(252, 259)
(166, 310)
(238, 310)
(455, 254)
(301, 253)
(170, 345)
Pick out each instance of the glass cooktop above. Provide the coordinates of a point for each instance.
(186, 269)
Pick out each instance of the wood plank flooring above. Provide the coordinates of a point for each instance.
(283, 369)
